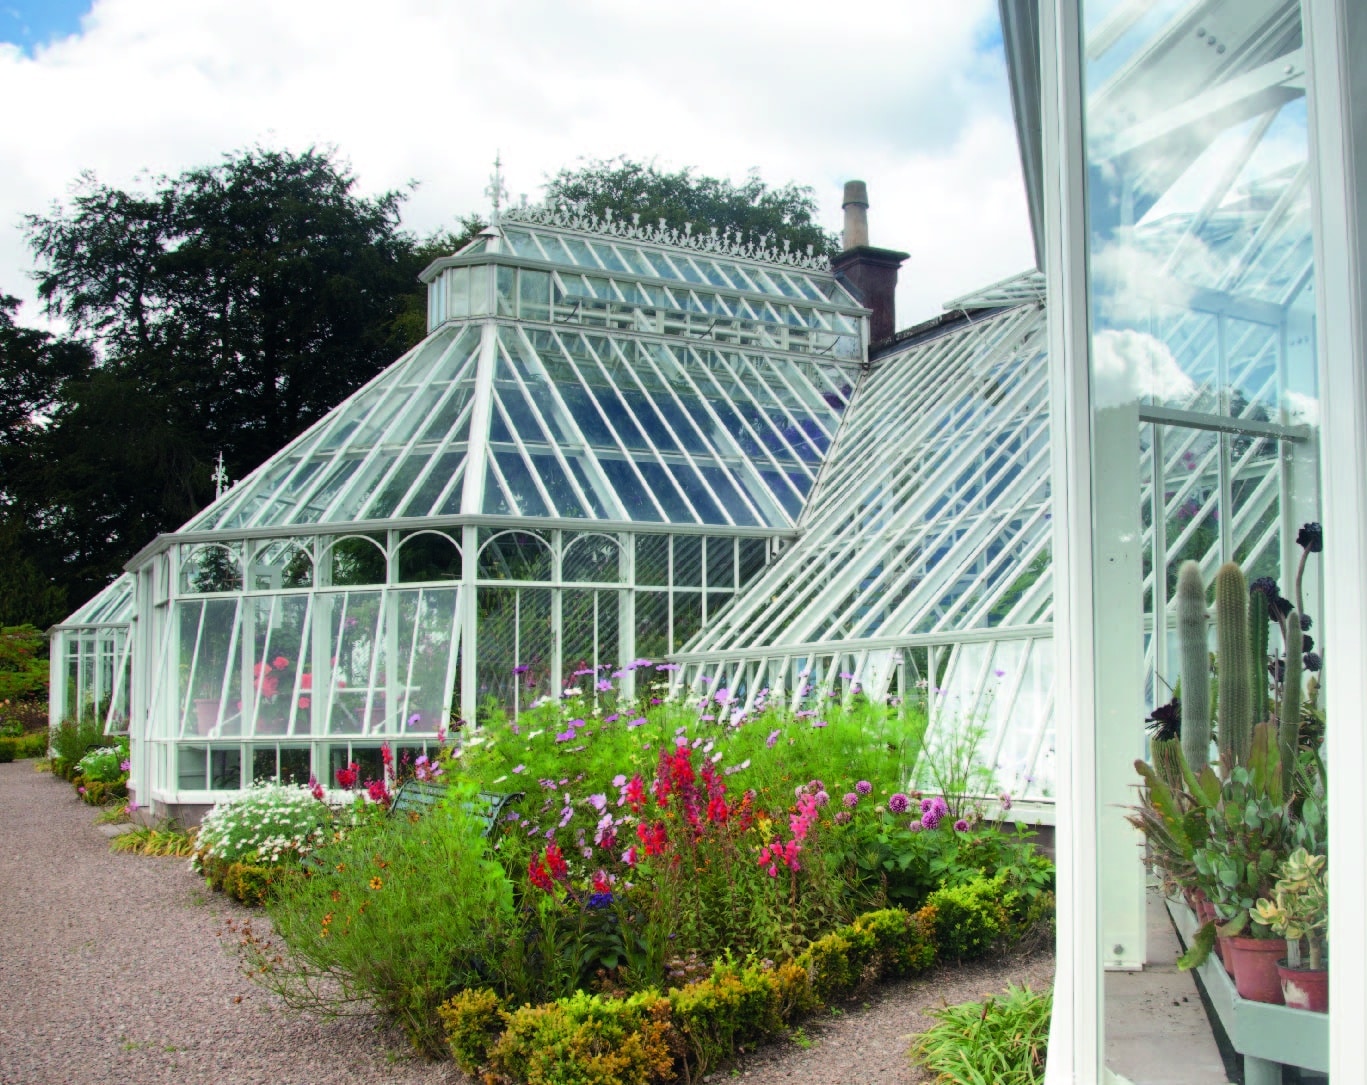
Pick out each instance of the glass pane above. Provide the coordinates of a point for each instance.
(652, 559)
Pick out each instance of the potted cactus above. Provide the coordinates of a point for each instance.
(1299, 911)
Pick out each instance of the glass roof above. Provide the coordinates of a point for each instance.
(113, 605)
(934, 513)
(528, 401)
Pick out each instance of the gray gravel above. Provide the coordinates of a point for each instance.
(112, 972)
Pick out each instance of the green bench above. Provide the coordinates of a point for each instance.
(418, 797)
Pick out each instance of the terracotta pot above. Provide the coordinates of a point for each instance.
(1222, 946)
(1255, 967)
(206, 713)
(1304, 988)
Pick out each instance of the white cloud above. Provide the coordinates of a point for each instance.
(1130, 365)
(901, 95)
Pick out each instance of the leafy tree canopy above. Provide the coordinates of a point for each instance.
(752, 207)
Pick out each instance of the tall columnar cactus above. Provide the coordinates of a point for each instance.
(1235, 666)
(1257, 637)
(1195, 652)
(1289, 730)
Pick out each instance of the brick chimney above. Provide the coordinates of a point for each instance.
(871, 273)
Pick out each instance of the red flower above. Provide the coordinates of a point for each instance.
(538, 875)
(653, 837)
(280, 663)
(378, 792)
(601, 884)
(306, 680)
(717, 811)
(636, 793)
(347, 777)
(386, 755)
(555, 863)
(305, 702)
(315, 788)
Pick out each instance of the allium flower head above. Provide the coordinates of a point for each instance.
(863, 787)
(961, 826)
(898, 803)
(850, 799)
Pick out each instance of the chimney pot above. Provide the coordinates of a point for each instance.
(856, 207)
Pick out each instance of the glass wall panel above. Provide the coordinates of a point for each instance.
(1202, 418)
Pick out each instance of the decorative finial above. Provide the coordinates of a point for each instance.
(220, 477)
(497, 191)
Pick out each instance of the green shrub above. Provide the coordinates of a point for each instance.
(968, 918)
(104, 764)
(33, 744)
(247, 883)
(1003, 1041)
(71, 740)
(837, 962)
(734, 1005)
(400, 915)
(474, 1019)
(101, 792)
(7, 747)
(905, 942)
(587, 1040)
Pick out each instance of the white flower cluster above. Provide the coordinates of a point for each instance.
(102, 763)
(264, 825)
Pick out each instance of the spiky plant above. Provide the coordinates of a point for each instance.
(1236, 668)
(1195, 655)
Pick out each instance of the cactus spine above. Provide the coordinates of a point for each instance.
(1195, 652)
(1232, 648)
(1257, 636)
(1289, 731)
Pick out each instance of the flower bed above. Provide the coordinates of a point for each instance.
(655, 839)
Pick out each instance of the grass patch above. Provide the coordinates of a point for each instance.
(1001, 1041)
(164, 839)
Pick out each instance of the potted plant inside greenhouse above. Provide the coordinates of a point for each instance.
(1228, 840)
(1299, 912)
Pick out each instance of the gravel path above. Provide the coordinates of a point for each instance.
(112, 972)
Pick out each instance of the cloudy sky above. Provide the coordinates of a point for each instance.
(909, 95)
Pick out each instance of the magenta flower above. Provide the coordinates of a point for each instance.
(850, 799)
(898, 803)
(772, 740)
(863, 787)
(961, 826)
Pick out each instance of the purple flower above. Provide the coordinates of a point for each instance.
(599, 802)
(598, 900)
(602, 686)
(125, 765)
(565, 736)
(930, 819)
(961, 826)
(850, 799)
(822, 798)
(522, 668)
(772, 740)
(636, 722)
(842, 817)
(915, 826)
(818, 723)
(519, 768)
(863, 787)
(898, 803)
(415, 719)
(1005, 801)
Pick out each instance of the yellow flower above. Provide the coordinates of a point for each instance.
(376, 882)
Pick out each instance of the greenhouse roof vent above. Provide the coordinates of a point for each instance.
(870, 272)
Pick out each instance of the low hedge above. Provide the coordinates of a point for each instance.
(651, 1037)
(17, 747)
(247, 883)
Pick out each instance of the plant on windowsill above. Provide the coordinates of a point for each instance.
(1299, 911)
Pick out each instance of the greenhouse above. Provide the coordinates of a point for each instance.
(607, 434)
(92, 662)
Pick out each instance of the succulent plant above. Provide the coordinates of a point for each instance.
(1235, 666)
(1192, 640)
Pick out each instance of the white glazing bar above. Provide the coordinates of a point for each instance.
(472, 497)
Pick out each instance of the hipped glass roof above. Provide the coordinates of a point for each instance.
(111, 606)
(667, 388)
(934, 512)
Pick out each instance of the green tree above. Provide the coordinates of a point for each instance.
(752, 208)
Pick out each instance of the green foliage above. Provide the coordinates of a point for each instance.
(1001, 1041)
(399, 915)
(70, 742)
(838, 962)
(905, 942)
(969, 919)
(752, 208)
(6, 750)
(23, 666)
(1193, 644)
(246, 883)
(166, 838)
(103, 764)
(1235, 665)
(587, 1040)
(473, 1020)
